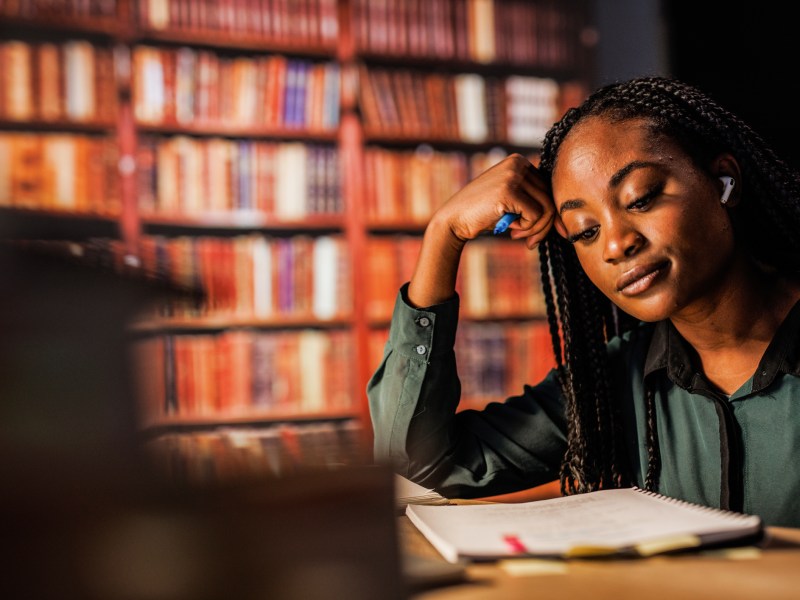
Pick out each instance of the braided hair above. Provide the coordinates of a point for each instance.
(582, 319)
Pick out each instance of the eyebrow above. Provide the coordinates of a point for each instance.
(613, 182)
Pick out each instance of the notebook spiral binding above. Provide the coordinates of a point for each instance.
(699, 507)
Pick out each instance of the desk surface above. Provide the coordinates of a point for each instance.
(771, 571)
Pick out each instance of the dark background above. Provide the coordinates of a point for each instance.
(743, 55)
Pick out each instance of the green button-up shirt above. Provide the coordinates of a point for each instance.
(740, 452)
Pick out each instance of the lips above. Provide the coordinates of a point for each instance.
(640, 278)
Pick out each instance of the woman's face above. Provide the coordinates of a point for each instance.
(647, 224)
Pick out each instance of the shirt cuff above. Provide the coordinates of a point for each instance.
(419, 333)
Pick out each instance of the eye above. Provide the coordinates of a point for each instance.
(587, 235)
(644, 201)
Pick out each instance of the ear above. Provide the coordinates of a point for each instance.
(726, 165)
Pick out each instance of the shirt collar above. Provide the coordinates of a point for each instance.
(668, 350)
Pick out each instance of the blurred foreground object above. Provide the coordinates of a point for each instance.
(85, 515)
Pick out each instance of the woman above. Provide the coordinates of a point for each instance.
(668, 235)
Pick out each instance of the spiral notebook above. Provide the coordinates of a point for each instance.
(629, 522)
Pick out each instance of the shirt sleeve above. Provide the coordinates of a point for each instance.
(413, 396)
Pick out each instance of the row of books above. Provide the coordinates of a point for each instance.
(500, 278)
(297, 22)
(494, 360)
(70, 81)
(289, 181)
(497, 279)
(77, 173)
(49, 9)
(254, 276)
(243, 373)
(462, 106)
(234, 454)
(188, 86)
(541, 33)
(407, 186)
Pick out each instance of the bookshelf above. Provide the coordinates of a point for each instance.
(284, 157)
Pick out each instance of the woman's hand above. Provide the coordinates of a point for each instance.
(511, 186)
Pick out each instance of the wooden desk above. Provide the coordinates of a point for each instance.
(772, 571)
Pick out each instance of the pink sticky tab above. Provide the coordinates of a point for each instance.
(515, 544)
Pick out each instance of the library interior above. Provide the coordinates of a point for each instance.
(207, 209)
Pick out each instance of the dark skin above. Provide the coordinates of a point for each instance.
(649, 230)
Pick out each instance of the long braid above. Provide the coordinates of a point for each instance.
(582, 320)
(552, 317)
(651, 432)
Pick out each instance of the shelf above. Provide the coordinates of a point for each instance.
(29, 223)
(386, 227)
(413, 140)
(232, 41)
(223, 322)
(39, 125)
(503, 317)
(215, 421)
(239, 131)
(242, 221)
(111, 28)
(490, 69)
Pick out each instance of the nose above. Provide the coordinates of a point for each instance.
(622, 241)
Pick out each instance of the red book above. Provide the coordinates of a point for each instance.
(415, 30)
(174, 14)
(184, 373)
(387, 101)
(398, 26)
(206, 374)
(381, 276)
(276, 94)
(360, 24)
(461, 33)
(106, 87)
(403, 91)
(265, 18)
(49, 81)
(168, 58)
(328, 21)
(241, 365)
(368, 100)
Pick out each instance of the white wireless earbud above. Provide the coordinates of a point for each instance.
(728, 182)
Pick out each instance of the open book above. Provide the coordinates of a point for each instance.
(627, 521)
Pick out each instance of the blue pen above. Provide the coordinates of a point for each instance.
(504, 222)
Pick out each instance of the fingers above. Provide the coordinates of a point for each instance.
(537, 210)
(511, 186)
(534, 235)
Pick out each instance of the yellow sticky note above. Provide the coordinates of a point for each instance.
(743, 553)
(522, 567)
(677, 542)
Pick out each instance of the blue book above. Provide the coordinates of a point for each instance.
(290, 93)
(301, 93)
